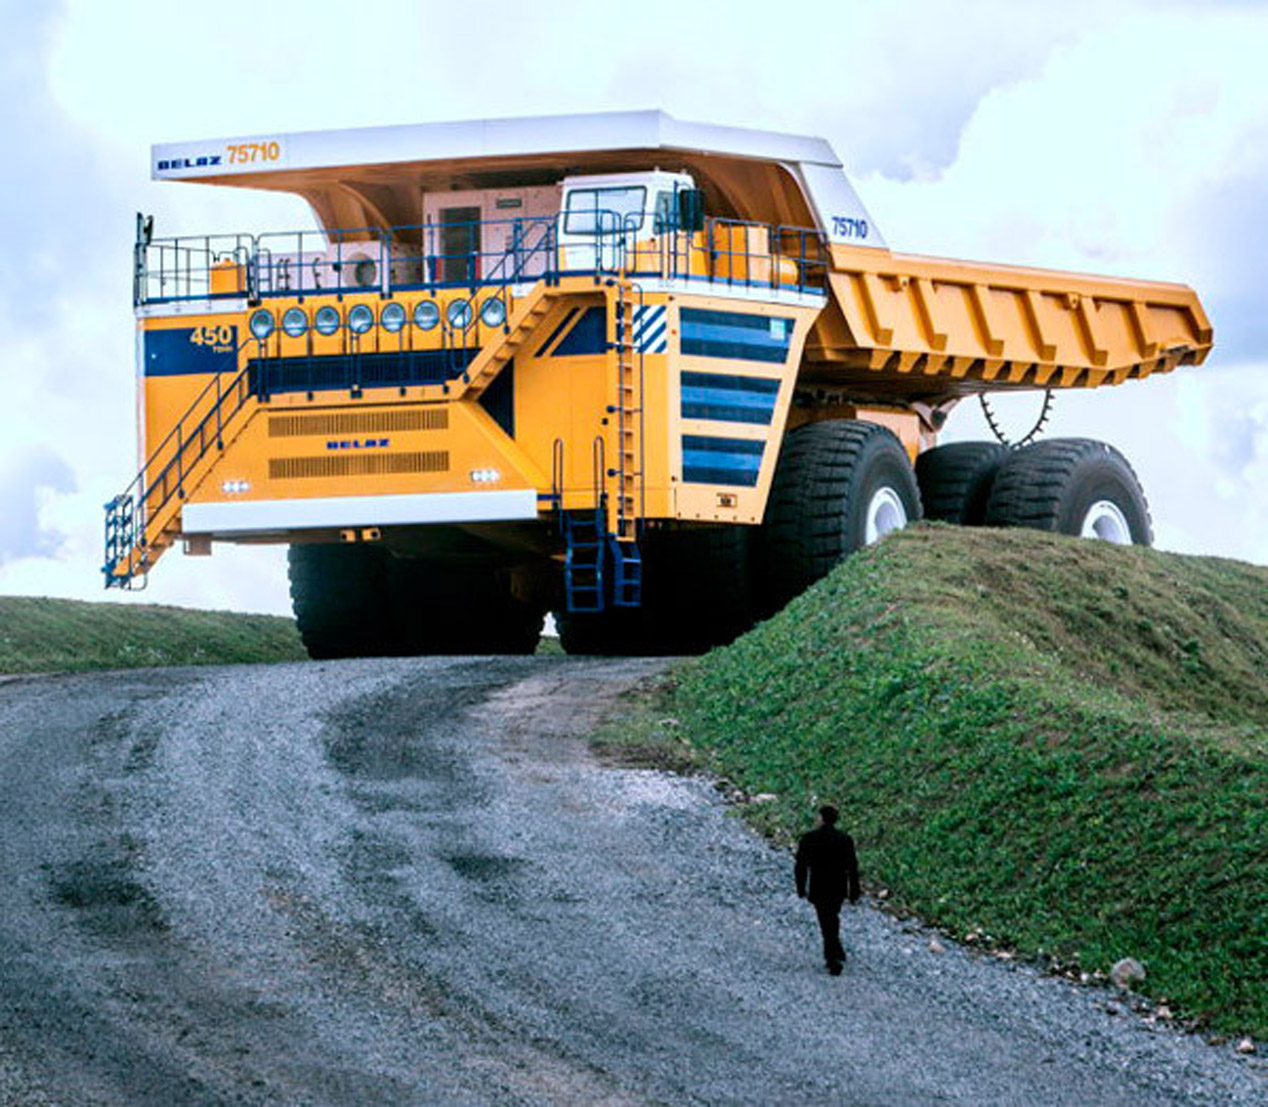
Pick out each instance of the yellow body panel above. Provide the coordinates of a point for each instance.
(353, 438)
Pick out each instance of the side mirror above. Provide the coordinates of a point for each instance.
(690, 209)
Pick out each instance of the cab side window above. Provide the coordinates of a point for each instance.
(664, 219)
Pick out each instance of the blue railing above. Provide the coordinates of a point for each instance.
(430, 256)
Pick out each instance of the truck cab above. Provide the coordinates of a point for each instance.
(607, 221)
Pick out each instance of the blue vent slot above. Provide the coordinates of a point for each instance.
(735, 461)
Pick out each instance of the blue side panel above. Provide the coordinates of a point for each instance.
(340, 371)
(588, 336)
(728, 398)
(499, 399)
(735, 335)
(720, 460)
(172, 353)
(568, 318)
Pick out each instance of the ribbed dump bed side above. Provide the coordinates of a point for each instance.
(929, 327)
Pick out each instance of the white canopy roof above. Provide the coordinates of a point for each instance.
(480, 138)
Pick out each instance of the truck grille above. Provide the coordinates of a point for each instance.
(357, 465)
(358, 422)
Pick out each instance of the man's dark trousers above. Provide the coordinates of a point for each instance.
(829, 912)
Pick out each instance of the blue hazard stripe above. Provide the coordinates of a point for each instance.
(650, 329)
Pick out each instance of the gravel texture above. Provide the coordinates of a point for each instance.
(409, 882)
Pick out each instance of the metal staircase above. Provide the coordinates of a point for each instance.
(519, 326)
(144, 520)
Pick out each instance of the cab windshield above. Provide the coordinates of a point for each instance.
(621, 208)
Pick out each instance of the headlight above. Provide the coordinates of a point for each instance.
(426, 315)
(327, 321)
(295, 322)
(262, 324)
(493, 313)
(459, 314)
(392, 317)
(360, 319)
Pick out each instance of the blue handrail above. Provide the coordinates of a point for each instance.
(420, 257)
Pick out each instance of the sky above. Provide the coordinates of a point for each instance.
(1127, 138)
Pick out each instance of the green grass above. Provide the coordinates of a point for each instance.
(44, 635)
(1060, 745)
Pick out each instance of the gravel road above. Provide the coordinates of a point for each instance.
(409, 882)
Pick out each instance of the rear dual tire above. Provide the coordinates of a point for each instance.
(1073, 486)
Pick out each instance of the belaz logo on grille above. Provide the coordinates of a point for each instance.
(358, 444)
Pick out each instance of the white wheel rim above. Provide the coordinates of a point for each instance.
(885, 512)
(1105, 520)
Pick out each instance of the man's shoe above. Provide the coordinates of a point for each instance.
(834, 967)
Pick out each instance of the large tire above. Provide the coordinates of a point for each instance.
(440, 608)
(698, 591)
(1073, 486)
(360, 601)
(955, 480)
(839, 485)
(339, 597)
(613, 632)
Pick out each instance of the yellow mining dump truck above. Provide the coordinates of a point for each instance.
(653, 376)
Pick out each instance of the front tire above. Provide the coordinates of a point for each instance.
(1073, 486)
(339, 597)
(441, 608)
(840, 484)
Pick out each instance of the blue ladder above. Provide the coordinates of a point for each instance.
(583, 562)
(627, 575)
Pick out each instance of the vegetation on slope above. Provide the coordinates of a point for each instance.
(1061, 746)
(45, 635)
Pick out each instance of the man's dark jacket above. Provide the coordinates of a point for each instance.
(827, 856)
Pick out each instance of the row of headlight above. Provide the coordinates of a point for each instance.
(391, 318)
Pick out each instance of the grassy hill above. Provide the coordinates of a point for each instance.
(45, 635)
(1059, 747)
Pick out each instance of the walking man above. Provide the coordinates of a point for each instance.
(826, 856)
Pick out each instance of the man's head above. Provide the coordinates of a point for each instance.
(828, 814)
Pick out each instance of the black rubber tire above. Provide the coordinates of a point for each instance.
(1050, 486)
(360, 601)
(698, 591)
(816, 513)
(696, 595)
(339, 596)
(955, 480)
(614, 632)
(440, 608)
